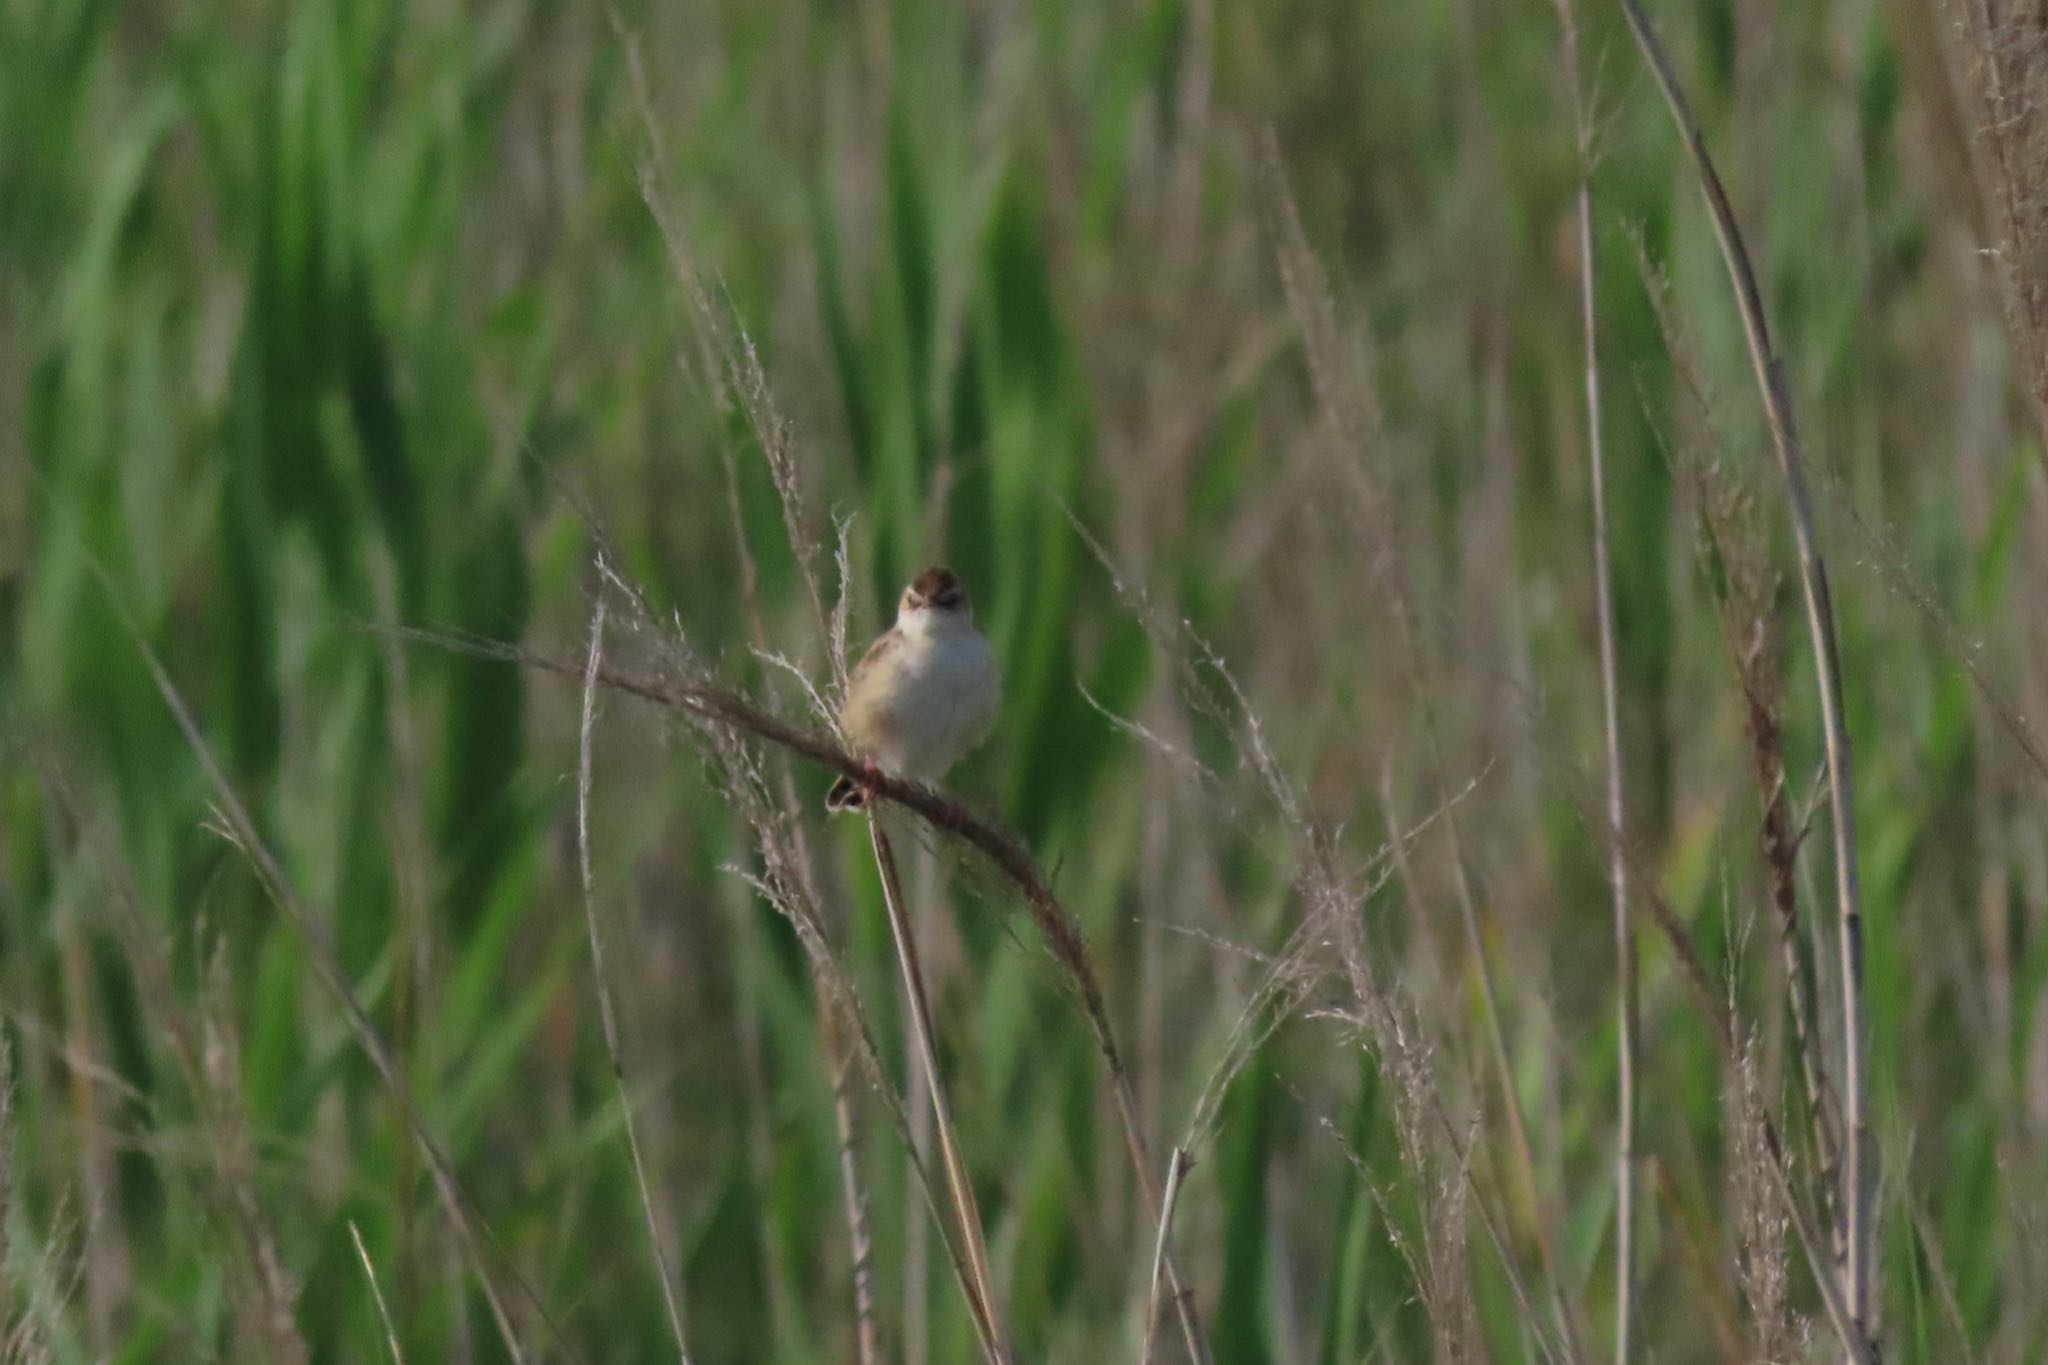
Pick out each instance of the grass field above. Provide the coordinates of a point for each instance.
(368, 994)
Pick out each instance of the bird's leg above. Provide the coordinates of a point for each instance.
(871, 772)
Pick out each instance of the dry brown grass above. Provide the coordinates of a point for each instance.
(2002, 82)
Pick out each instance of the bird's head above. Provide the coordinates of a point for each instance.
(935, 598)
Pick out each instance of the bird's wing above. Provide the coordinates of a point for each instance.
(874, 654)
(859, 716)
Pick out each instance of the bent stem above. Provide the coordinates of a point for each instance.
(1858, 1265)
(978, 1282)
(691, 692)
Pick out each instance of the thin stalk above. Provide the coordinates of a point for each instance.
(1176, 1175)
(867, 1334)
(1603, 580)
(979, 1283)
(860, 1245)
(1856, 1346)
(1731, 562)
(670, 1299)
(1858, 1265)
(376, 1294)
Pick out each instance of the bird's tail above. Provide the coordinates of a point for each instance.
(846, 794)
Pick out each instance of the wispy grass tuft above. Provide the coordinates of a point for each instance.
(671, 1293)
(1859, 1268)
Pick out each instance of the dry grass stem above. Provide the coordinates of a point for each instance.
(1346, 390)
(1735, 563)
(1617, 874)
(2003, 83)
(980, 1283)
(1396, 1037)
(1176, 1173)
(867, 1330)
(1859, 1264)
(1722, 1028)
(607, 1013)
(274, 1300)
(376, 1294)
(1334, 916)
(867, 1327)
(1761, 1223)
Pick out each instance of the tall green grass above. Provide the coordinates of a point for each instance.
(321, 319)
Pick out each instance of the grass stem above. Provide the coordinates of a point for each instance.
(1858, 1264)
(1603, 581)
(979, 1283)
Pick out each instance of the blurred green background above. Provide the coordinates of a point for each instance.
(317, 319)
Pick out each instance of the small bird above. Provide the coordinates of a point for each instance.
(925, 692)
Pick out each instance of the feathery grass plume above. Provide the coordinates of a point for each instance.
(861, 1244)
(32, 1295)
(831, 1029)
(1778, 1335)
(1395, 1030)
(1730, 544)
(734, 365)
(1348, 394)
(105, 1247)
(2002, 83)
(1859, 1262)
(1724, 1030)
(270, 1300)
(1330, 942)
(206, 1051)
(671, 1291)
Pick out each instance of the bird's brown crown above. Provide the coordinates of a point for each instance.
(937, 587)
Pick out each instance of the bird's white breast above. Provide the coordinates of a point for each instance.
(944, 702)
